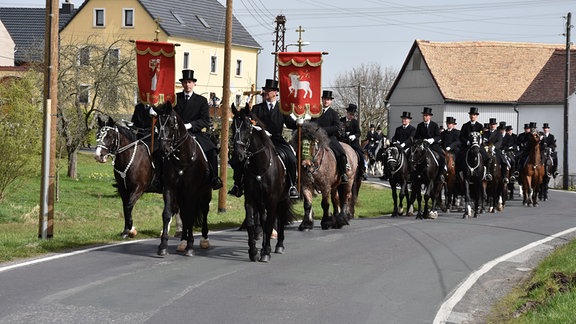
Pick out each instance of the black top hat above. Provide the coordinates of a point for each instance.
(427, 111)
(473, 111)
(486, 125)
(406, 114)
(450, 120)
(352, 108)
(509, 128)
(545, 125)
(371, 125)
(502, 125)
(327, 94)
(493, 121)
(379, 127)
(526, 126)
(270, 85)
(188, 75)
(532, 124)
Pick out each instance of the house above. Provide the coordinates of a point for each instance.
(7, 48)
(512, 82)
(199, 30)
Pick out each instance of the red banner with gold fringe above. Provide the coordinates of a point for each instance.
(155, 69)
(300, 80)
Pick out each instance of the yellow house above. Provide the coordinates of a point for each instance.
(197, 26)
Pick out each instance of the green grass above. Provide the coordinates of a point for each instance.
(548, 297)
(88, 212)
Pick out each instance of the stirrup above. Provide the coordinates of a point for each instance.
(293, 192)
(488, 177)
(236, 191)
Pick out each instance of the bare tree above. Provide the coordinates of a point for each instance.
(371, 83)
(93, 78)
(20, 127)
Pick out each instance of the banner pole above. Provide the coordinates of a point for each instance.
(152, 135)
(299, 159)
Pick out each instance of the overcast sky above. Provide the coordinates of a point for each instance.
(382, 32)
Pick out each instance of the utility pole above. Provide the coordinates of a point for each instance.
(565, 176)
(280, 33)
(47, 190)
(225, 108)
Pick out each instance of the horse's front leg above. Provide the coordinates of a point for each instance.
(129, 230)
(308, 219)
(395, 199)
(166, 217)
(340, 199)
(267, 222)
(204, 241)
(251, 229)
(327, 220)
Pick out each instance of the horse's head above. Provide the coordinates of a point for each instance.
(534, 138)
(475, 139)
(171, 129)
(418, 156)
(107, 139)
(243, 125)
(392, 156)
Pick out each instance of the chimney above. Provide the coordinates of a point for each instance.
(67, 7)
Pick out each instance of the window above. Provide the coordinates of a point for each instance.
(186, 60)
(238, 67)
(84, 56)
(203, 22)
(99, 18)
(127, 17)
(238, 100)
(83, 93)
(113, 57)
(213, 64)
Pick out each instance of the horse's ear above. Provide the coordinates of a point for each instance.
(110, 122)
(234, 110)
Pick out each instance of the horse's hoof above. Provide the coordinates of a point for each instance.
(162, 252)
(182, 246)
(265, 258)
(253, 255)
(279, 250)
(189, 252)
(305, 227)
(204, 243)
(124, 235)
(133, 232)
(433, 215)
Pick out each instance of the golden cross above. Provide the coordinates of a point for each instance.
(300, 31)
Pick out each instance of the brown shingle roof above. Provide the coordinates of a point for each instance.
(484, 71)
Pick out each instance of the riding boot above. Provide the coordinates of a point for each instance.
(487, 175)
(442, 168)
(292, 192)
(504, 170)
(215, 181)
(342, 166)
(238, 176)
(157, 184)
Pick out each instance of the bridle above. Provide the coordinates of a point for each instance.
(397, 161)
(247, 154)
(475, 144)
(173, 138)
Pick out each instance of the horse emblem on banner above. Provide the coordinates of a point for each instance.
(299, 76)
(155, 69)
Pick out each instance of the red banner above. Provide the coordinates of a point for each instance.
(156, 76)
(300, 79)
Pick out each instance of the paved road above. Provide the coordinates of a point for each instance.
(380, 270)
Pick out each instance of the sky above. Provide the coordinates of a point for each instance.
(382, 32)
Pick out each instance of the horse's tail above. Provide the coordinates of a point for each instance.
(357, 184)
(286, 211)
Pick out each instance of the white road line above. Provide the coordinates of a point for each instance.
(448, 305)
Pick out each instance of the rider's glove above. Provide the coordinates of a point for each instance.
(188, 126)
(352, 137)
(429, 140)
(402, 145)
(448, 148)
(468, 143)
(396, 143)
(152, 112)
(300, 121)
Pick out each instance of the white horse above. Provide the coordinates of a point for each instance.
(296, 85)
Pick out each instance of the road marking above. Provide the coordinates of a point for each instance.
(448, 305)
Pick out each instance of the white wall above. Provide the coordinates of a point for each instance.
(7, 48)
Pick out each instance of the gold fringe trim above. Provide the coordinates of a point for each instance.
(293, 62)
(153, 53)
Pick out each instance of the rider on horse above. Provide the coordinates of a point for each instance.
(548, 141)
(268, 111)
(429, 131)
(373, 138)
(404, 135)
(523, 148)
(330, 122)
(471, 126)
(352, 135)
(450, 137)
(497, 141)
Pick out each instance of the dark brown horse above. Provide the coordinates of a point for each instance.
(186, 178)
(532, 172)
(453, 186)
(266, 184)
(133, 166)
(319, 173)
(548, 169)
(496, 188)
(397, 168)
(424, 176)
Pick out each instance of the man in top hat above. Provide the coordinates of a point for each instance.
(497, 141)
(492, 128)
(471, 126)
(330, 122)
(372, 138)
(268, 111)
(548, 141)
(450, 137)
(194, 112)
(429, 131)
(352, 135)
(404, 134)
(510, 150)
(522, 147)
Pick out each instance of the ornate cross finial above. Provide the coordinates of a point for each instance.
(300, 31)
(157, 31)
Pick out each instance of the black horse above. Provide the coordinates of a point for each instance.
(266, 199)
(548, 169)
(472, 174)
(133, 166)
(424, 175)
(397, 171)
(186, 179)
(495, 188)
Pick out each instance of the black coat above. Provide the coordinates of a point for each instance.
(451, 139)
(465, 131)
(196, 113)
(404, 135)
(141, 116)
(274, 120)
(550, 141)
(330, 122)
(352, 127)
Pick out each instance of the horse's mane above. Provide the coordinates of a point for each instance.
(311, 131)
(126, 132)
